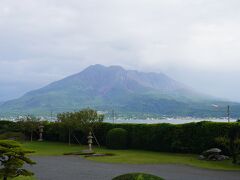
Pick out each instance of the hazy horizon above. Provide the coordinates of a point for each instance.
(194, 42)
(43, 85)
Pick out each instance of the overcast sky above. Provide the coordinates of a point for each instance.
(195, 42)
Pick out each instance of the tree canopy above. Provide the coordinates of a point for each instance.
(29, 125)
(86, 120)
(12, 158)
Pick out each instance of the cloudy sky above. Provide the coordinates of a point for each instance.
(195, 42)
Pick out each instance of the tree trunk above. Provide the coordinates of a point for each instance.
(4, 177)
(69, 137)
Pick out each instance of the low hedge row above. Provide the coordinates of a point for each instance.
(8, 126)
(18, 136)
(187, 138)
(117, 138)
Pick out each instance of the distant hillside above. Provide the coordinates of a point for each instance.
(128, 92)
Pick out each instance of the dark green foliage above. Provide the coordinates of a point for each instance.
(85, 120)
(29, 125)
(197, 137)
(137, 176)
(117, 138)
(186, 138)
(18, 136)
(8, 126)
(12, 158)
(55, 132)
(232, 142)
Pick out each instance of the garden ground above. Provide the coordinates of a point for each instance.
(130, 156)
(52, 165)
(75, 168)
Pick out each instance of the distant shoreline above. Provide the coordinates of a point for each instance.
(168, 120)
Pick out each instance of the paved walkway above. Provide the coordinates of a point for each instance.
(78, 168)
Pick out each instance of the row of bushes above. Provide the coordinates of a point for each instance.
(188, 138)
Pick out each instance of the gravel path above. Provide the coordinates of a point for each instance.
(78, 168)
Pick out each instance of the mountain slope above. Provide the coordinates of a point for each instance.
(107, 88)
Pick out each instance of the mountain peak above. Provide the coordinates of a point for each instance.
(95, 66)
(118, 68)
(102, 67)
(104, 88)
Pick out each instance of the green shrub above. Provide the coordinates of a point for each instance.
(117, 138)
(8, 126)
(137, 176)
(182, 138)
(232, 143)
(18, 136)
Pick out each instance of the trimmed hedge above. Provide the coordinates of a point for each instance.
(137, 176)
(185, 138)
(8, 126)
(18, 136)
(117, 138)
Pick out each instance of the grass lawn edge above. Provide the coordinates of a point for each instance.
(130, 156)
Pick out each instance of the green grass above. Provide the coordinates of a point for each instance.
(24, 178)
(51, 148)
(148, 157)
(130, 156)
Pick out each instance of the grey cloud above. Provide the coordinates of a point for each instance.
(47, 40)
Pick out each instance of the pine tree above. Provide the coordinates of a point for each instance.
(12, 158)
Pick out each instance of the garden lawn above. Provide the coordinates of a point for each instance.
(24, 178)
(149, 157)
(130, 156)
(51, 148)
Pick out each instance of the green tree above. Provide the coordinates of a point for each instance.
(12, 158)
(69, 122)
(29, 125)
(86, 120)
(89, 119)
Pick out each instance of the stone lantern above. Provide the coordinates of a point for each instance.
(90, 137)
(40, 127)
